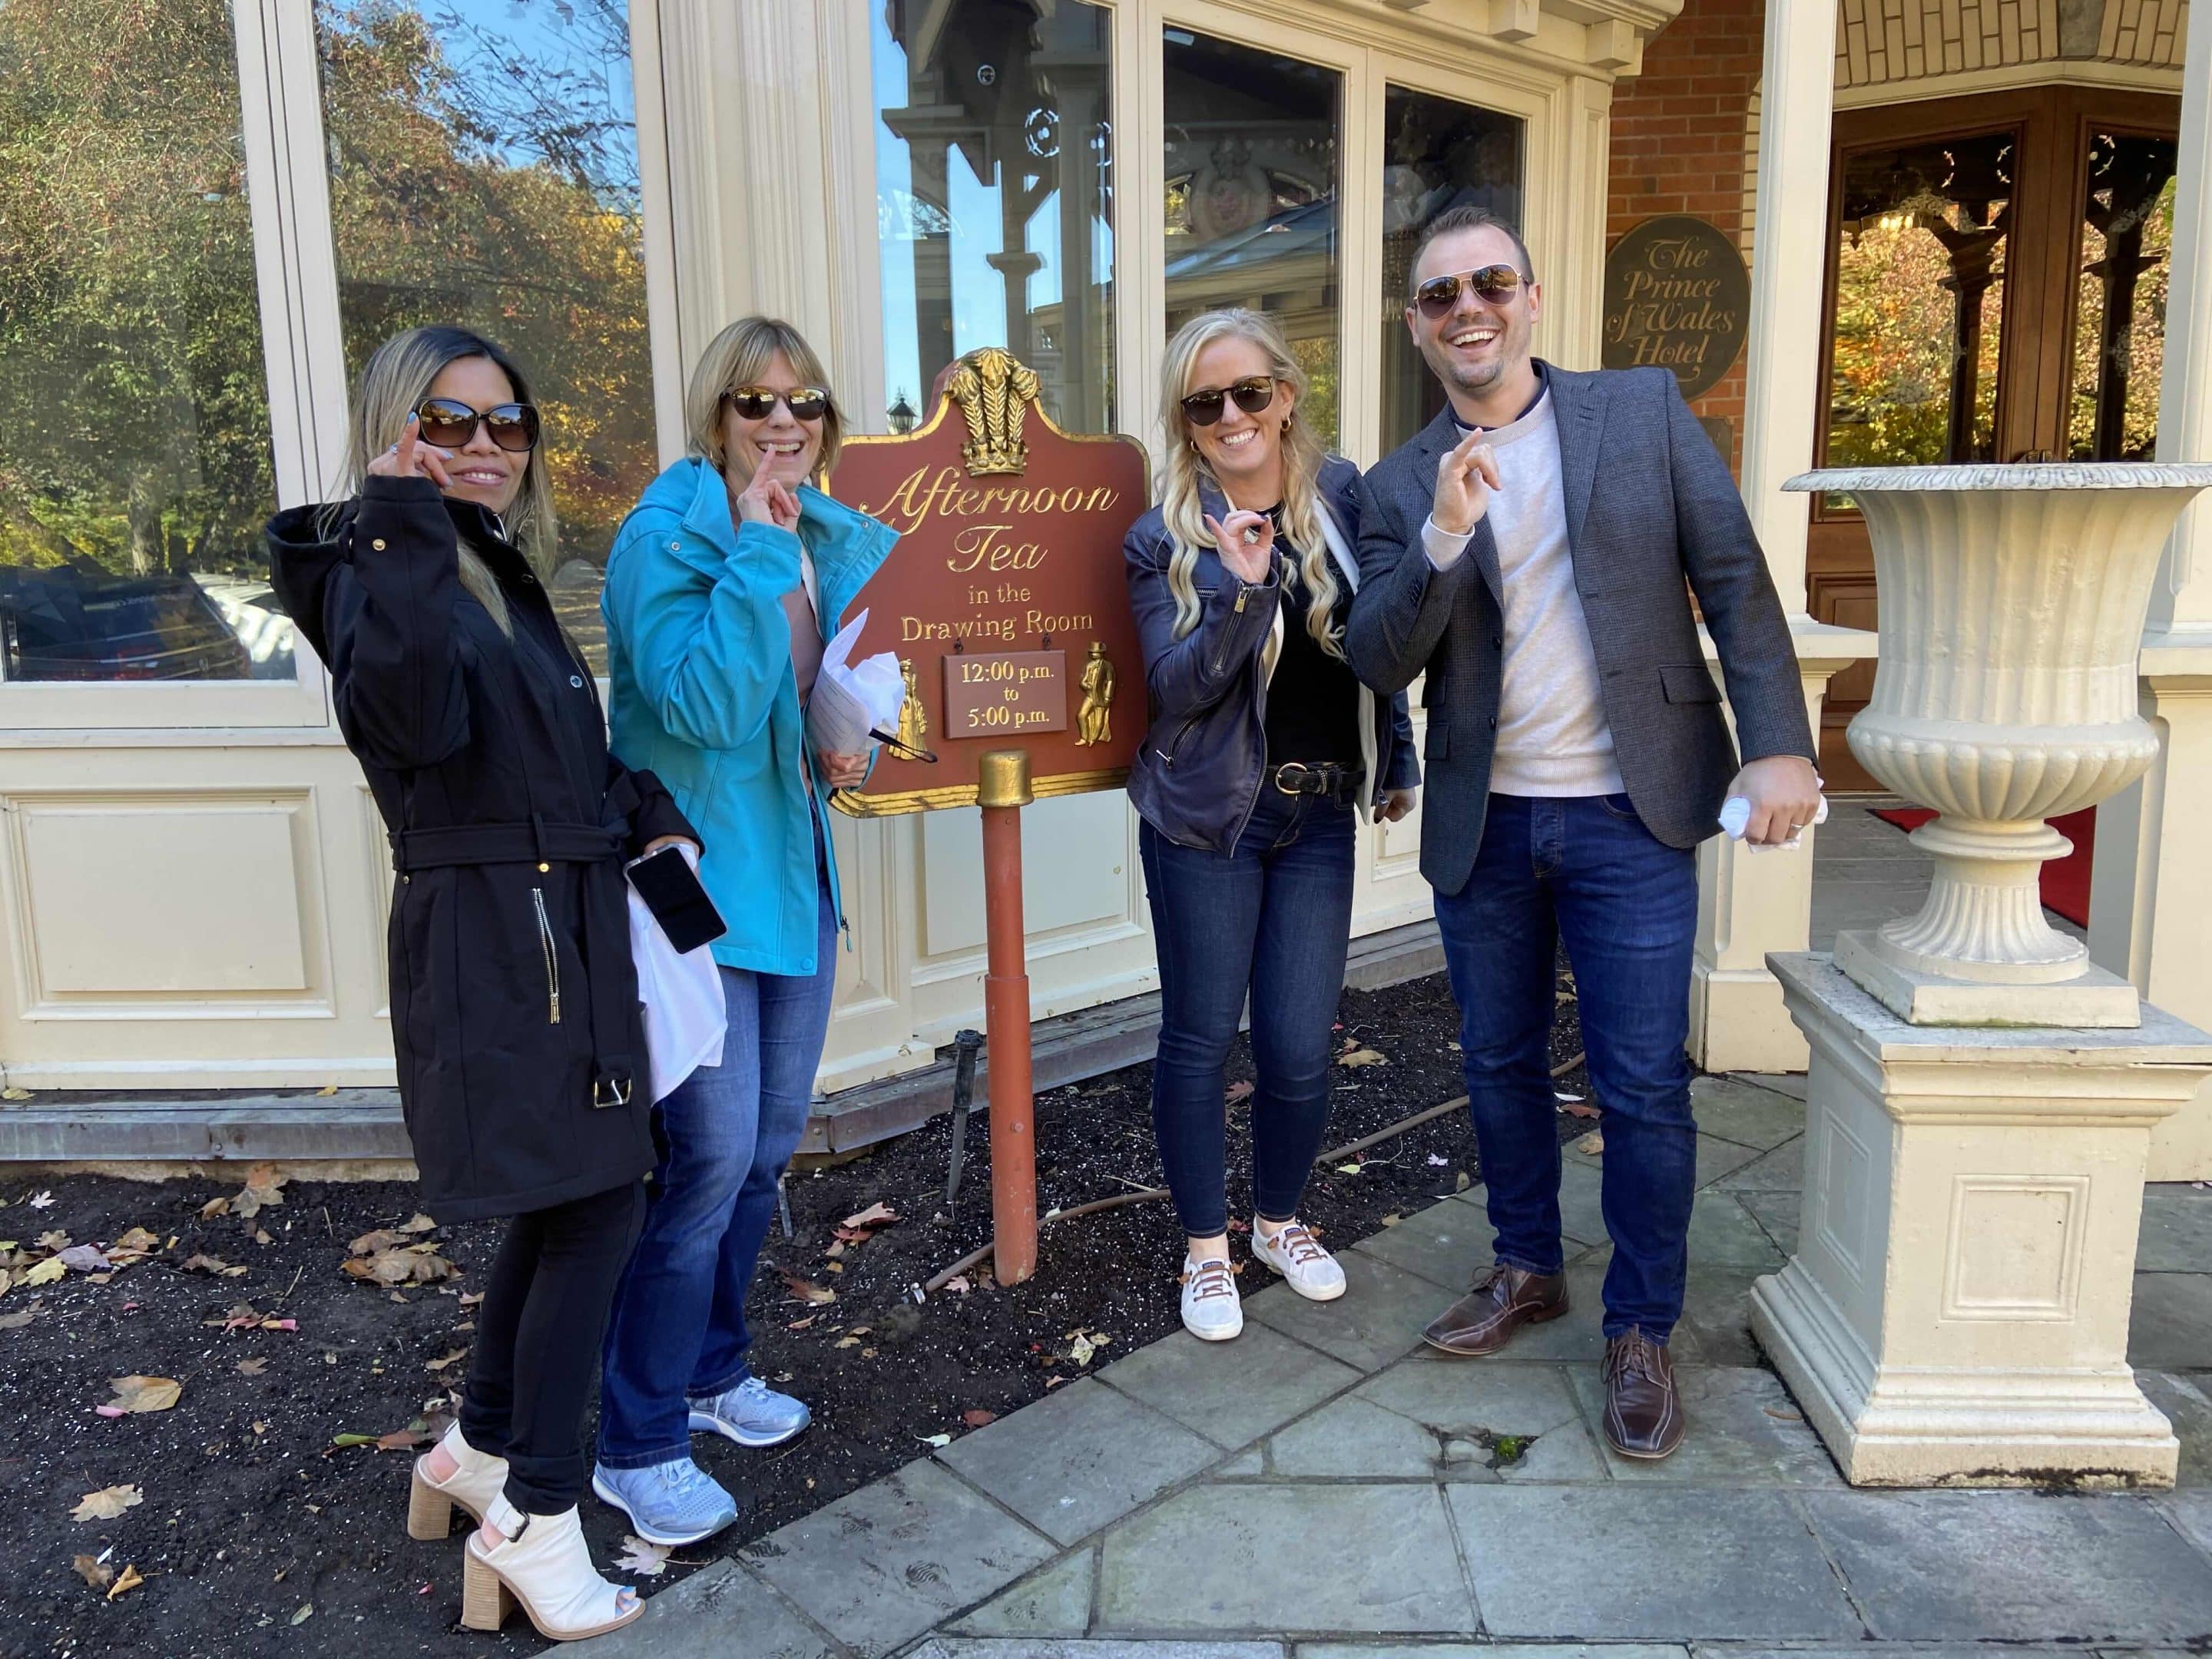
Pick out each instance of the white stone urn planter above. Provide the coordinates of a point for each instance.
(2013, 601)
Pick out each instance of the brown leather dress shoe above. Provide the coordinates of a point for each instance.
(1502, 1300)
(1643, 1411)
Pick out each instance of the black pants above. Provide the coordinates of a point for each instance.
(538, 1342)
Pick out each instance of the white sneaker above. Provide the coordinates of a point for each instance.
(1293, 1252)
(1212, 1310)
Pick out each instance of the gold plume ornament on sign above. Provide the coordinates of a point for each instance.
(993, 392)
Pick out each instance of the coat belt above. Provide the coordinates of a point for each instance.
(606, 916)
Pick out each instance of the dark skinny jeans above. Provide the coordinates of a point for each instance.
(1271, 917)
(538, 1342)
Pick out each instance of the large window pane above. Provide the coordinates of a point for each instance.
(135, 468)
(1437, 154)
(484, 172)
(1920, 283)
(1252, 191)
(993, 197)
(2120, 324)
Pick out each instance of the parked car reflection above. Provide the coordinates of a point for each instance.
(84, 624)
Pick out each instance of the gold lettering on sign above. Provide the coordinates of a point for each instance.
(921, 497)
(1676, 296)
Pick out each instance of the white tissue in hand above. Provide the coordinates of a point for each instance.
(850, 700)
(1735, 818)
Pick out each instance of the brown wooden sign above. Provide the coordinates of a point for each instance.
(1004, 599)
(1676, 296)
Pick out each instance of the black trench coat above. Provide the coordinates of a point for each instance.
(514, 1006)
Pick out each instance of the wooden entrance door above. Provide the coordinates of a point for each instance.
(1996, 291)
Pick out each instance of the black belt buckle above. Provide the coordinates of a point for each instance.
(610, 1092)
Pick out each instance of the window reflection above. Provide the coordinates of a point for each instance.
(135, 463)
(1251, 196)
(993, 194)
(2120, 324)
(1437, 153)
(484, 172)
(1919, 303)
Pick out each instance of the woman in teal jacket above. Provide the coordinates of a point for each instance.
(722, 586)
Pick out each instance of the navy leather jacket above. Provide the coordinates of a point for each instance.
(1198, 774)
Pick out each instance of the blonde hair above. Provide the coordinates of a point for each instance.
(397, 378)
(739, 356)
(1186, 469)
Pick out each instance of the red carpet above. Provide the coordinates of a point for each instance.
(2065, 881)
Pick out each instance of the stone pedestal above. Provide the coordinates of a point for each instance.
(1957, 1310)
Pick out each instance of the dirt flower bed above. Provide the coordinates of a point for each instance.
(211, 1402)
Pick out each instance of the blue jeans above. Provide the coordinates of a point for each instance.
(1582, 870)
(726, 1135)
(1273, 917)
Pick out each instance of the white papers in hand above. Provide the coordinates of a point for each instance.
(686, 1018)
(851, 699)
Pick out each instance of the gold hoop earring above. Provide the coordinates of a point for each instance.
(1286, 424)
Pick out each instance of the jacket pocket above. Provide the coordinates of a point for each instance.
(1689, 682)
(552, 957)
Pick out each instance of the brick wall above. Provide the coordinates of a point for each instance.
(1678, 141)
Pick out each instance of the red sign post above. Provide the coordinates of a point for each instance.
(1006, 603)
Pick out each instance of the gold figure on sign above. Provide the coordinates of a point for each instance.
(1093, 718)
(993, 392)
(914, 719)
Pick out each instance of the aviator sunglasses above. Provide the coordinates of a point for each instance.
(449, 423)
(1495, 284)
(1253, 394)
(756, 403)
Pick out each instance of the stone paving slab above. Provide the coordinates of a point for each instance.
(1377, 1320)
(1782, 1170)
(2171, 1327)
(2191, 1515)
(1461, 1404)
(1447, 1244)
(1716, 1323)
(961, 1647)
(695, 1620)
(1077, 1459)
(1745, 1112)
(1742, 1428)
(1724, 1233)
(1232, 1393)
(1783, 1083)
(1237, 1559)
(1777, 1212)
(1716, 1158)
(1647, 1563)
(2186, 1400)
(1488, 1650)
(1054, 1601)
(1351, 1438)
(2014, 1565)
(883, 1564)
(2177, 1229)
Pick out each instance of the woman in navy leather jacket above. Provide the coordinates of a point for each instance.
(1262, 748)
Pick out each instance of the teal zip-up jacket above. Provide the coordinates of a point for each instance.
(699, 663)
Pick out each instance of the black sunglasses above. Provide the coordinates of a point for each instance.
(1253, 394)
(1495, 284)
(450, 424)
(756, 403)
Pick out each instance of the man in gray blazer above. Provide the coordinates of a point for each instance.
(1533, 553)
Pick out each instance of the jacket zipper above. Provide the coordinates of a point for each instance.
(1221, 657)
(552, 958)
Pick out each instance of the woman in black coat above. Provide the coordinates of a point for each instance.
(514, 998)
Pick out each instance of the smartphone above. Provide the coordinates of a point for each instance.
(671, 891)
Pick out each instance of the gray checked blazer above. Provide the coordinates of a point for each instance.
(1652, 517)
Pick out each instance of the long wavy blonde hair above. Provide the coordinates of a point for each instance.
(396, 379)
(1186, 469)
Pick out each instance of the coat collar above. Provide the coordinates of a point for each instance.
(1331, 488)
(837, 537)
(1578, 404)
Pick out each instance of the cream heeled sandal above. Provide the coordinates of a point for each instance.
(472, 1485)
(545, 1566)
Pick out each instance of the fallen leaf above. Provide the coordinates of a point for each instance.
(85, 1258)
(1392, 1219)
(1359, 1057)
(1576, 1108)
(1462, 1181)
(251, 1367)
(1570, 1099)
(1783, 1416)
(958, 1284)
(847, 1342)
(833, 1266)
(138, 1240)
(142, 1393)
(940, 1440)
(978, 1419)
(646, 1560)
(440, 1364)
(1237, 1091)
(307, 1611)
(15, 1094)
(1348, 1168)
(813, 1295)
(417, 1264)
(1082, 1345)
(1238, 1226)
(129, 1581)
(403, 1440)
(47, 1271)
(801, 1324)
(197, 1263)
(470, 1298)
(41, 1200)
(16, 1321)
(106, 1503)
(213, 1207)
(326, 1090)
(93, 1571)
(1054, 1382)
(1439, 1162)
(264, 1188)
(876, 1215)
(384, 1238)
(419, 1222)
(1591, 1145)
